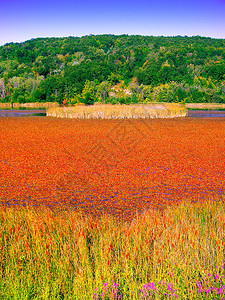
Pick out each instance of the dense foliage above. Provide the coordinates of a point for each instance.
(110, 68)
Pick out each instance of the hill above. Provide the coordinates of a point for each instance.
(115, 69)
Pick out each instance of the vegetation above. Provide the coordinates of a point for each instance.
(205, 106)
(57, 254)
(113, 69)
(119, 111)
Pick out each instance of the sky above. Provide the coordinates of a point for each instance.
(21, 20)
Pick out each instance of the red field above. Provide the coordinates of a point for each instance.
(114, 166)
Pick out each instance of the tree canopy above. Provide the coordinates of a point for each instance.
(105, 68)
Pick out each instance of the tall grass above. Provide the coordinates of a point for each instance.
(31, 105)
(34, 105)
(212, 106)
(48, 254)
(5, 105)
(108, 111)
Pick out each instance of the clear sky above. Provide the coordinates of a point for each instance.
(21, 20)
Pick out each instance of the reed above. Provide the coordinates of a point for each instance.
(36, 105)
(61, 254)
(108, 111)
(209, 106)
(5, 105)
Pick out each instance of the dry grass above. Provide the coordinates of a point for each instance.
(5, 105)
(32, 105)
(108, 111)
(36, 105)
(205, 106)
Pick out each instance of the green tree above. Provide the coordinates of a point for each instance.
(88, 93)
(102, 90)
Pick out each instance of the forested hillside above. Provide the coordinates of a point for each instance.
(110, 68)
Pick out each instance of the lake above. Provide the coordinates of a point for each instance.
(23, 113)
(113, 166)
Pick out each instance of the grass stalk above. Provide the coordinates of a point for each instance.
(62, 255)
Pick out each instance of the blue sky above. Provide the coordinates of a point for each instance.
(21, 20)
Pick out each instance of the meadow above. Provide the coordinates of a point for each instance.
(112, 209)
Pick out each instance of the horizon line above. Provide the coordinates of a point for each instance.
(110, 34)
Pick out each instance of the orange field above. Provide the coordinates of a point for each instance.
(119, 167)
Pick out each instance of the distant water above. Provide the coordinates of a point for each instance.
(21, 113)
(27, 113)
(206, 114)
